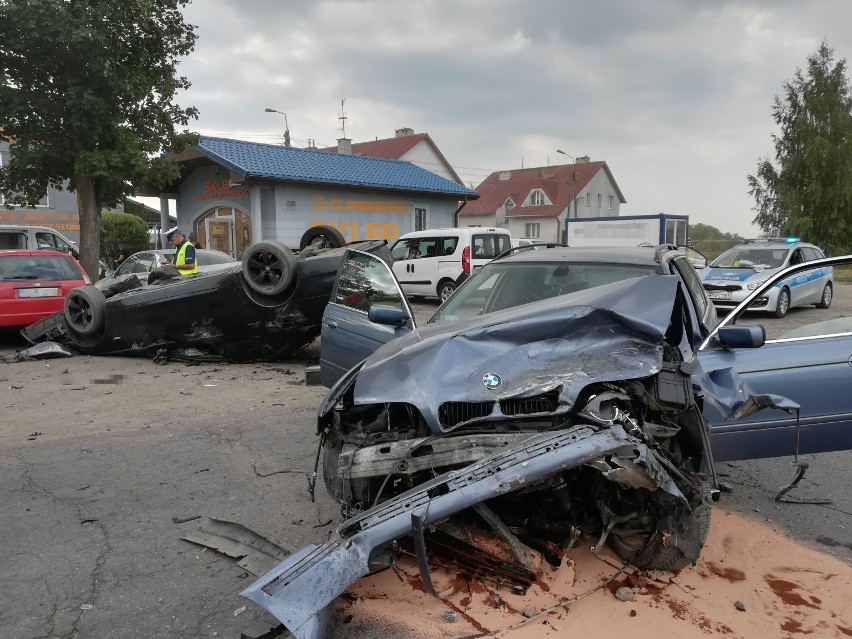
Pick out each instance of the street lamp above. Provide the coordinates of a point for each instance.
(572, 195)
(286, 126)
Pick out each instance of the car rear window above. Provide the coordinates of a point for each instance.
(39, 267)
(489, 245)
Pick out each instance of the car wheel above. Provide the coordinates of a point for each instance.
(322, 237)
(445, 289)
(85, 309)
(827, 295)
(657, 554)
(783, 303)
(269, 267)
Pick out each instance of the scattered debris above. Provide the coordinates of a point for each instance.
(726, 487)
(240, 611)
(632, 612)
(624, 594)
(529, 612)
(450, 616)
(86, 606)
(739, 605)
(176, 520)
(45, 350)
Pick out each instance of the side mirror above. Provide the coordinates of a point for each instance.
(386, 315)
(752, 336)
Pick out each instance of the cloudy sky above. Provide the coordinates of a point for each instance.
(675, 95)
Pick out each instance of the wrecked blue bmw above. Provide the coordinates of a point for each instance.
(575, 417)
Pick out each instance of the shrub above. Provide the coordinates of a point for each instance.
(122, 233)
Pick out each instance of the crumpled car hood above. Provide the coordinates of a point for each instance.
(609, 333)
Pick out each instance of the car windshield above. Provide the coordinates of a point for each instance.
(751, 257)
(507, 284)
(38, 267)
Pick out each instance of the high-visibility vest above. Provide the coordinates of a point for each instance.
(180, 258)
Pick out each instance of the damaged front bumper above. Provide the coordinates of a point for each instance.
(298, 592)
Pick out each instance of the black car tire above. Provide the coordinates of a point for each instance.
(445, 289)
(783, 303)
(657, 555)
(322, 237)
(269, 267)
(827, 296)
(85, 310)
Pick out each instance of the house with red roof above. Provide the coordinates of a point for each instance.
(534, 203)
(417, 148)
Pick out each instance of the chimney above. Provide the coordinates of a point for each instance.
(583, 159)
(401, 133)
(504, 175)
(344, 146)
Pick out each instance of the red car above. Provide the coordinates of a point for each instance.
(34, 283)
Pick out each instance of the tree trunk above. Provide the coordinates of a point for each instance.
(90, 225)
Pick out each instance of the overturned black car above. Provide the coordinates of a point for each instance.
(266, 307)
(533, 427)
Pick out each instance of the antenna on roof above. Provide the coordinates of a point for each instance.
(342, 117)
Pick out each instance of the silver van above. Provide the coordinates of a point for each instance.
(13, 236)
(437, 261)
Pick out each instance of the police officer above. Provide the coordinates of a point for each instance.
(184, 259)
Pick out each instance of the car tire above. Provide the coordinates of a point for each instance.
(84, 310)
(783, 304)
(445, 289)
(657, 555)
(269, 267)
(827, 296)
(322, 237)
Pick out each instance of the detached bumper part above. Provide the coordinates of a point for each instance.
(299, 591)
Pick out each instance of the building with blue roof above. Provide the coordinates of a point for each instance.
(233, 193)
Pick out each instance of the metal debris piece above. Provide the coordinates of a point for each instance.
(739, 605)
(450, 616)
(801, 467)
(254, 553)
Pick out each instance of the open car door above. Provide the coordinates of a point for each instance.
(810, 364)
(367, 309)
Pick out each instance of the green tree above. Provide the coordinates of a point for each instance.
(807, 191)
(122, 233)
(710, 241)
(87, 97)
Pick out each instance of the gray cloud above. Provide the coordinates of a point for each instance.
(674, 94)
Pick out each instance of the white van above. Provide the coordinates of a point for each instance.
(437, 261)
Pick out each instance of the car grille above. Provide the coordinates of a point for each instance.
(544, 403)
(722, 287)
(451, 414)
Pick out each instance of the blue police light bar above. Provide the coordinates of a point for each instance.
(792, 240)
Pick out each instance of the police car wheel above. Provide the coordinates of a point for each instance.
(84, 310)
(322, 237)
(783, 304)
(269, 267)
(827, 295)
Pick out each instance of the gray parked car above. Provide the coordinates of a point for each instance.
(144, 262)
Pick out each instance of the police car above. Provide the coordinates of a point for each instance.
(737, 272)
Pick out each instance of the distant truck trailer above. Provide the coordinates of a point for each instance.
(627, 230)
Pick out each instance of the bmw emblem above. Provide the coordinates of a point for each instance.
(492, 381)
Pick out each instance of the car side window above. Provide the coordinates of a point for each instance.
(427, 247)
(364, 281)
(45, 240)
(402, 250)
(449, 245)
(693, 285)
(810, 254)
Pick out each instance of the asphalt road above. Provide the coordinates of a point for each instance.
(102, 458)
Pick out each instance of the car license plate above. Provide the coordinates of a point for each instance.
(50, 291)
(719, 295)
